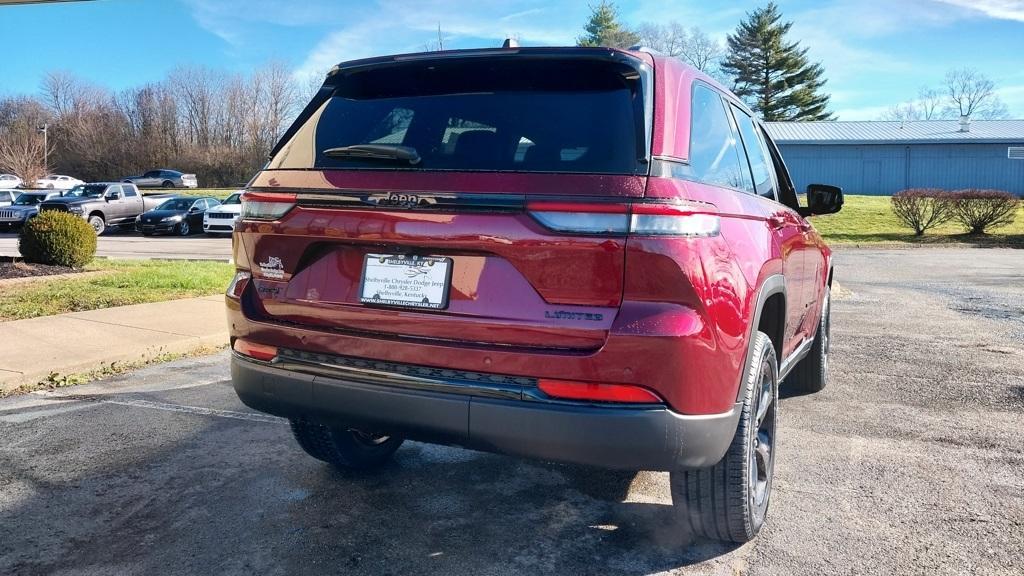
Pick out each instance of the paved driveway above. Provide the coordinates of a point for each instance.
(117, 244)
(910, 462)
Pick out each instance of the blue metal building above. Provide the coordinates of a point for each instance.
(886, 157)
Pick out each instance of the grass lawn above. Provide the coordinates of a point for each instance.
(124, 282)
(870, 220)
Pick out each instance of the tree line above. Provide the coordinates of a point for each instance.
(221, 126)
(775, 76)
(198, 120)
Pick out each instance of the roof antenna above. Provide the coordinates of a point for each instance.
(510, 43)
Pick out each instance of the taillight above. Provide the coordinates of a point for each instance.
(690, 219)
(238, 284)
(598, 392)
(582, 218)
(254, 350)
(266, 205)
(639, 218)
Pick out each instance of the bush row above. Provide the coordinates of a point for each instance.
(977, 211)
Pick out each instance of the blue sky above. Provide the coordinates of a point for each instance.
(876, 52)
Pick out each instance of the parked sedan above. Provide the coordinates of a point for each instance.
(164, 178)
(58, 182)
(179, 215)
(9, 181)
(221, 219)
(23, 209)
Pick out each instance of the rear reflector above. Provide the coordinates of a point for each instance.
(640, 218)
(254, 350)
(597, 392)
(266, 205)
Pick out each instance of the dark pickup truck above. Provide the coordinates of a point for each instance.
(104, 204)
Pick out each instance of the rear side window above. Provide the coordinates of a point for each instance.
(129, 190)
(714, 152)
(515, 115)
(756, 154)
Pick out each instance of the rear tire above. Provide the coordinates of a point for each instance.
(810, 375)
(345, 448)
(167, 184)
(729, 501)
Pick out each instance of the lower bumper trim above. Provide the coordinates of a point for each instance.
(644, 438)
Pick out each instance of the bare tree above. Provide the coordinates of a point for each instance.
(669, 39)
(927, 106)
(22, 149)
(702, 51)
(692, 46)
(971, 93)
(435, 45)
(929, 102)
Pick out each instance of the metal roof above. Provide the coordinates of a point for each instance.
(896, 132)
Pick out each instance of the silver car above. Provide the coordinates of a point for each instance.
(163, 178)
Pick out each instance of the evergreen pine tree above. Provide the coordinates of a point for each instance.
(604, 28)
(774, 77)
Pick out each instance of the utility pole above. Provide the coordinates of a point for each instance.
(44, 130)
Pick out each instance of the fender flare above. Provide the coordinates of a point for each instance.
(772, 285)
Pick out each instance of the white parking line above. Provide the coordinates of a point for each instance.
(31, 407)
(252, 417)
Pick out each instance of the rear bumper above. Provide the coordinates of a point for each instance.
(510, 417)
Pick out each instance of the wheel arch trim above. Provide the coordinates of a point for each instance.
(772, 285)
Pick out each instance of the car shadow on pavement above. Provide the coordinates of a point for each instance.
(167, 493)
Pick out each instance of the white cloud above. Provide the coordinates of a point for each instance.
(394, 26)
(1013, 97)
(231, 20)
(861, 113)
(999, 9)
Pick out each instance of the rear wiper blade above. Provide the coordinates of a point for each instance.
(375, 152)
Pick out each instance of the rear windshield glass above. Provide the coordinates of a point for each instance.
(489, 115)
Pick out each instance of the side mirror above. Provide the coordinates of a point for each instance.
(113, 196)
(823, 199)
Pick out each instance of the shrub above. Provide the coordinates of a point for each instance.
(922, 208)
(57, 238)
(981, 210)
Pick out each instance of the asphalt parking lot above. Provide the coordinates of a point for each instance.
(910, 462)
(130, 244)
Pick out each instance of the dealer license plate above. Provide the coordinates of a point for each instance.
(408, 281)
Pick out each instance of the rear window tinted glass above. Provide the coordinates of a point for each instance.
(529, 116)
(763, 182)
(714, 153)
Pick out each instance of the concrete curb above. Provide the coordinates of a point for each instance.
(84, 341)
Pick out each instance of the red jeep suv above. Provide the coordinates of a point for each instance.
(585, 255)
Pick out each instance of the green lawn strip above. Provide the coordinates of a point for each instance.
(870, 220)
(126, 282)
